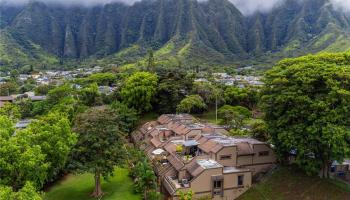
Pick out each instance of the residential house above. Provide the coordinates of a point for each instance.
(341, 170)
(5, 99)
(188, 155)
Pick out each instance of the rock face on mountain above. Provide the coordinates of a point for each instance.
(186, 28)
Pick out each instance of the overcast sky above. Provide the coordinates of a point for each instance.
(245, 6)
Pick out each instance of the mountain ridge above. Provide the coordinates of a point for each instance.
(214, 30)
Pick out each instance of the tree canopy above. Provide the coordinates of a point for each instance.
(209, 92)
(139, 90)
(172, 88)
(54, 136)
(234, 116)
(21, 162)
(247, 97)
(306, 101)
(28, 192)
(10, 110)
(100, 144)
(191, 104)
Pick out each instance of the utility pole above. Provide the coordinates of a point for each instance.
(216, 108)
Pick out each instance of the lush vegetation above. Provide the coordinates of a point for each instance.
(179, 33)
(290, 183)
(307, 111)
(76, 187)
(82, 134)
(139, 90)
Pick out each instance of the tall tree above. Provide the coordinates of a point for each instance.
(145, 178)
(27, 192)
(89, 95)
(150, 62)
(21, 162)
(100, 145)
(173, 87)
(127, 116)
(6, 127)
(139, 90)
(247, 97)
(10, 110)
(58, 93)
(54, 135)
(191, 104)
(306, 101)
(209, 92)
(234, 116)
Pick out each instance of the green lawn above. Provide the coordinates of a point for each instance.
(78, 187)
(289, 184)
(148, 117)
(208, 116)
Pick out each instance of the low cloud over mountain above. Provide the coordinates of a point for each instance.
(247, 7)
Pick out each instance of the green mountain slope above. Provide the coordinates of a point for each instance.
(14, 52)
(210, 32)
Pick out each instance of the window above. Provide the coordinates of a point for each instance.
(263, 153)
(240, 180)
(225, 157)
(217, 187)
(333, 168)
(217, 184)
(191, 137)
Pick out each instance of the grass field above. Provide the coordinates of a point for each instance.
(147, 117)
(208, 116)
(78, 187)
(289, 184)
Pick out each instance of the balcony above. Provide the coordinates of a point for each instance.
(172, 184)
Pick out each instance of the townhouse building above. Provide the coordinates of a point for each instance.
(188, 155)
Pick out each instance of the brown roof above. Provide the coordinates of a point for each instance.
(162, 119)
(170, 147)
(216, 148)
(208, 129)
(244, 149)
(6, 98)
(175, 162)
(207, 146)
(37, 98)
(194, 169)
(202, 140)
(156, 142)
(154, 132)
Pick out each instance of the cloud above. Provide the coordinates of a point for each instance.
(70, 2)
(343, 5)
(248, 7)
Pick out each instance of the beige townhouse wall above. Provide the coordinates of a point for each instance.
(243, 160)
(258, 168)
(202, 185)
(231, 188)
(263, 154)
(227, 156)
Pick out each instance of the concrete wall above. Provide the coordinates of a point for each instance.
(203, 182)
(257, 159)
(244, 160)
(232, 151)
